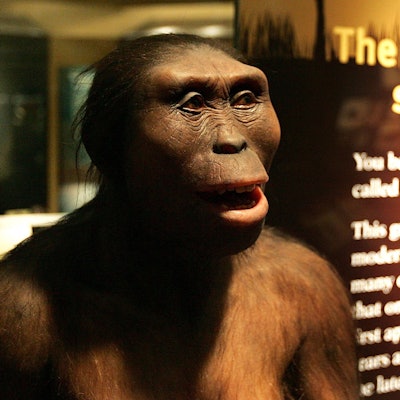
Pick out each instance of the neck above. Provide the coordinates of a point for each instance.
(160, 273)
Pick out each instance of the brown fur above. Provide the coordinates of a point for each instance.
(272, 335)
(164, 286)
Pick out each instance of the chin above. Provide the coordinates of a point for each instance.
(228, 241)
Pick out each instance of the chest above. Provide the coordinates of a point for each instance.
(244, 355)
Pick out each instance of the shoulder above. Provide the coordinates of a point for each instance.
(31, 276)
(53, 253)
(280, 249)
(301, 283)
(297, 267)
(24, 319)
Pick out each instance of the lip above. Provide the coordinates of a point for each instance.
(253, 211)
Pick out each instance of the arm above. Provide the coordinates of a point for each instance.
(23, 336)
(327, 358)
(320, 362)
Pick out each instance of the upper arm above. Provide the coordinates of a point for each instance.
(327, 356)
(325, 365)
(24, 335)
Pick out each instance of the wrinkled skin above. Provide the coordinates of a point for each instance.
(204, 128)
(167, 287)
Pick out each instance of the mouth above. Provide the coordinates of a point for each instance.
(232, 198)
(240, 205)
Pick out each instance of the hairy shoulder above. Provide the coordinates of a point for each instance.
(273, 242)
(289, 255)
(29, 276)
(298, 270)
(24, 319)
(303, 296)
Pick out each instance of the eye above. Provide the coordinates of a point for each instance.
(245, 99)
(192, 102)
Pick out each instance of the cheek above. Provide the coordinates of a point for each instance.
(176, 143)
(169, 135)
(266, 134)
(157, 154)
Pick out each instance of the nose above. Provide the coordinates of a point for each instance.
(229, 143)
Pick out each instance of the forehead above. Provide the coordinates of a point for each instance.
(203, 65)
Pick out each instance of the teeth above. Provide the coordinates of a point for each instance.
(241, 189)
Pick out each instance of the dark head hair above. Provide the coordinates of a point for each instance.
(104, 118)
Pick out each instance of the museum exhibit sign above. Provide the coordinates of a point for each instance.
(334, 73)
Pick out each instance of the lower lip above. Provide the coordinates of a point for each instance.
(245, 217)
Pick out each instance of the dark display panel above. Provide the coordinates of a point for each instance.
(334, 74)
(23, 139)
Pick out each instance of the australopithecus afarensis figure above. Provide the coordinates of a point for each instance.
(166, 286)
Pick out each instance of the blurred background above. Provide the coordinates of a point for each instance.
(44, 47)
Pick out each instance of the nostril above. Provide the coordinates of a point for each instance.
(229, 148)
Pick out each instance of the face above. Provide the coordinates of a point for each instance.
(204, 138)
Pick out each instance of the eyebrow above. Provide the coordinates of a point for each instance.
(192, 83)
(256, 82)
(209, 84)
